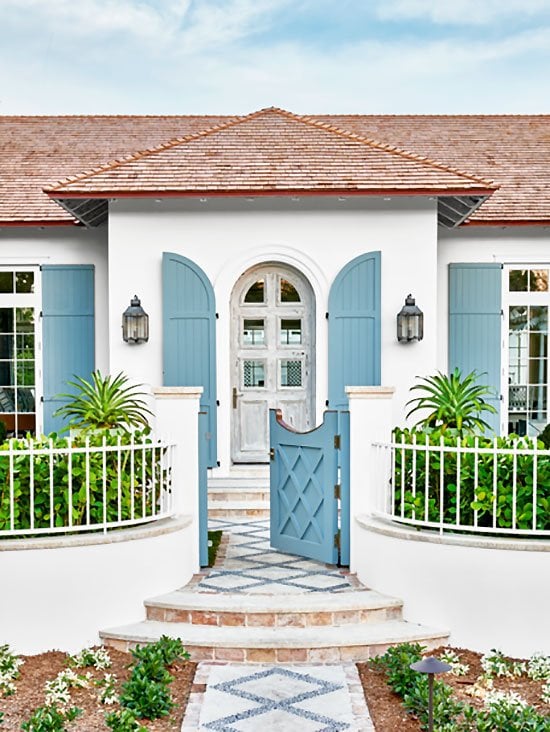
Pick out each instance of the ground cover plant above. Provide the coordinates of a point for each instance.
(214, 539)
(85, 692)
(481, 694)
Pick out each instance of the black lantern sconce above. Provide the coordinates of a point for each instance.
(135, 323)
(430, 666)
(410, 322)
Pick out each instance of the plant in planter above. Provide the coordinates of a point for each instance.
(104, 402)
(453, 402)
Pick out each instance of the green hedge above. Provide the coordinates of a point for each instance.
(143, 491)
(470, 498)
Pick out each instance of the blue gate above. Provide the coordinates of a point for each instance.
(306, 472)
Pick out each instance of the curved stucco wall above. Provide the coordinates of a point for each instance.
(490, 593)
(57, 593)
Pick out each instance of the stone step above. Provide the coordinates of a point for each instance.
(239, 509)
(240, 482)
(306, 610)
(320, 644)
(222, 495)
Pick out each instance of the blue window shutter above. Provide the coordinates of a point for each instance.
(354, 328)
(475, 321)
(189, 334)
(68, 332)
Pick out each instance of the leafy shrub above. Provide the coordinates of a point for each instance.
(455, 402)
(471, 499)
(3, 431)
(544, 437)
(50, 719)
(104, 402)
(145, 497)
(123, 721)
(146, 693)
(9, 670)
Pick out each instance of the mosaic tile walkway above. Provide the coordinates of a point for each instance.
(277, 699)
(252, 567)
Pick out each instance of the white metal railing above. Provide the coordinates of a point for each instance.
(471, 488)
(46, 489)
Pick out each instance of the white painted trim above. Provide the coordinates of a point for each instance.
(177, 392)
(370, 392)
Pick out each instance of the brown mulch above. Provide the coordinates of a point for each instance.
(388, 713)
(44, 667)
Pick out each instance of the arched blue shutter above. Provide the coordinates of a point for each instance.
(189, 333)
(475, 302)
(354, 328)
(68, 333)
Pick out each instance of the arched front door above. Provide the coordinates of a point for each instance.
(272, 356)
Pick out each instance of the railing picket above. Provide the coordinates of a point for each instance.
(31, 483)
(403, 470)
(495, 481)
(458, 479)
(104, 465)
(143, 481)
(87, 461)
(441, 483)
(414, 476)
(70, 482)
(52, 487)
(427, 482)
(119, 478)
(12, 498)
(514, 486)
(132, 496)
(535, 480)
(476, 477)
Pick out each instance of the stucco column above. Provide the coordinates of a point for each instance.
(370, 410)
(177, 421)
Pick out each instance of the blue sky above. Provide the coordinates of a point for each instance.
(309, 56)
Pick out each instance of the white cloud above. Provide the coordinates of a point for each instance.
(462, 12)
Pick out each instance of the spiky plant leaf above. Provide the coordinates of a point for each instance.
(453, 402)
(104, 402)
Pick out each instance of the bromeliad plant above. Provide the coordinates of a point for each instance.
(104, 402)
(453, 402)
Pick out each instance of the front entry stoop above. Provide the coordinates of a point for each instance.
(258, 605)
(244, 494)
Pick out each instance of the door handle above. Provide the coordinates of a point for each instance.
(235, 397)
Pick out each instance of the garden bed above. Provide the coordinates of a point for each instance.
(388, 712)
(37, 670)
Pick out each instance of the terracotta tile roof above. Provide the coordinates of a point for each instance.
(272, 151)
(514, 151)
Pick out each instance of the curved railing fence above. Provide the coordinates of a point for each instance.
(476, 485)
(85, 484)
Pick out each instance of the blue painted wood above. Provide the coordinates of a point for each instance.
(68, 333)
(475, 321)
(354, 348)
(303, 473)
(189, 334)
(345, 516)
(203, 488)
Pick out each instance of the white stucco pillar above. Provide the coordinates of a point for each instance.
(177, 409)
(370, 410)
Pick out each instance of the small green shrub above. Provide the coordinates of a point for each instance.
(411, 473)
(50, 719)
(9, 670)
(123, 721)
(84, 466)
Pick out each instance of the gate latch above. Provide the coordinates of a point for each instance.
(337, 491)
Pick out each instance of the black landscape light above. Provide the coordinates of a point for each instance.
(430, 666)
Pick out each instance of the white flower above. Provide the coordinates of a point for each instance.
(504, 699)
(538, 667)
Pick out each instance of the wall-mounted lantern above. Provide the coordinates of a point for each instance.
(410, 322)
(135, 323)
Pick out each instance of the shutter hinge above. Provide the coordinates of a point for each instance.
(41, 314)
(337, 442)
(217, 316)
(337, 491)
(326, 316)
(326, 402)
(502, 313)
(217, 402)
(42, 399)
(337, 540)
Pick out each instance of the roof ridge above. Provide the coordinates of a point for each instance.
(393, 149)
(307, 120)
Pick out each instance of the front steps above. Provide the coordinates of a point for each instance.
(242, 495)
(312, 628)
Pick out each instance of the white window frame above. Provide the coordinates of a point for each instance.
(519, 298)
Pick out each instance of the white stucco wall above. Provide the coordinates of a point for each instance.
(316, 236)
(489, 593)
(65, 245)
(57, 593)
